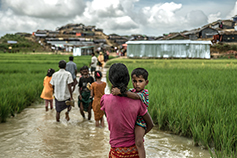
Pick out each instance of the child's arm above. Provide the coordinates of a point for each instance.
(79, 89)
(116, 91)
(132, 95)
(143, 95)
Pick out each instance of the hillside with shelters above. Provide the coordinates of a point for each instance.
(222, 34)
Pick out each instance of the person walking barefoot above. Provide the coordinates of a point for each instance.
(139, 80)
(84, 99)
(121, 114)
(47, 93)
(62, 82)
(97, 91)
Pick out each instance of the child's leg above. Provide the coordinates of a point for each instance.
(139, 134)
(51, 104)
(46, 104)
(102, 122)
(81, 110)
(89, 111)
(97, 123)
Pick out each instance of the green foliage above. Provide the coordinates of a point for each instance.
(225, 47)
(12, 37)
(3, 46)
(234, 47)
(22, 45)
(22, 78)
(193, 98)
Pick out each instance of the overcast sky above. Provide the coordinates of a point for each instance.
(123, 17)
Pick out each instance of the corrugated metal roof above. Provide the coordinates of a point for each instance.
(169, 42)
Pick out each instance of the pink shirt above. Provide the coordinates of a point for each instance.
(121, 114)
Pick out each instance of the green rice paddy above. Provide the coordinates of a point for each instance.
(22, 78)
(193, 98)
(188, 97)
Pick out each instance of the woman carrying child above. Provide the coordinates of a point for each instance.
(97, 91)
(139, 80)
(121, 113)
(47, 93)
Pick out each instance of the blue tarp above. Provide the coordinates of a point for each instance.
(12, 42)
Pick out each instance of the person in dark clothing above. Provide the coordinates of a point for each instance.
(85, 101)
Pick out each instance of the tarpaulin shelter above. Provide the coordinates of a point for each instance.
(12, 42)
(169, 49)
(86, 50)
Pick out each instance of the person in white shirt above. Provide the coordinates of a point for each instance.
(61, 82)
(93, 62)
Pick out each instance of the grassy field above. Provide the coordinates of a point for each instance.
(22, 78)
(193, 98)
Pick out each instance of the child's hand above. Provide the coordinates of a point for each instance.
(115, 91)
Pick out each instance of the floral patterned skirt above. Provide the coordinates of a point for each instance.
(121, 152)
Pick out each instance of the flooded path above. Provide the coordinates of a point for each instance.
(35, 133)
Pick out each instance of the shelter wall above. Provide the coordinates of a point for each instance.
(169, 50)
(208, 33)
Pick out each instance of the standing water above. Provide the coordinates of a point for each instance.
(35, 133)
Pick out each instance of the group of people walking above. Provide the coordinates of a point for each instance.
(60, 86)
(126, 110)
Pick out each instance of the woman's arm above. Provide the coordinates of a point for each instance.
(92, 92)
(148, 121)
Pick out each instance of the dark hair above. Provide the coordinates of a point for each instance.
(80, 69)
(62, 64)
(98, 74)
(50, 72)
(84, 67)
(71, 58)
(92, 53)
(140, 72)
(119, 76)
